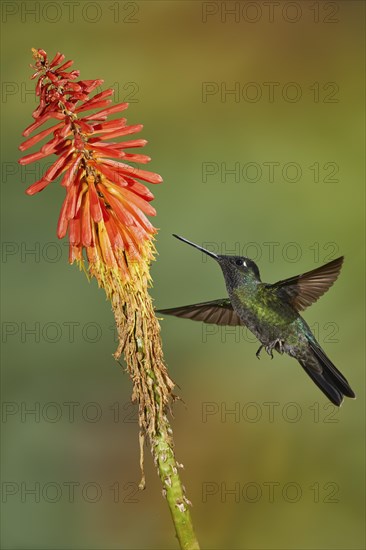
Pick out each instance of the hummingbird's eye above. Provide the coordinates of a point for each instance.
(240, 262)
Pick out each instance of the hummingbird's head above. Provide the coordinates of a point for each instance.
(236, 269)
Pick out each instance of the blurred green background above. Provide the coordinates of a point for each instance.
(286, 470)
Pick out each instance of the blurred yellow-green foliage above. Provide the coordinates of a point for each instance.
(285, 470)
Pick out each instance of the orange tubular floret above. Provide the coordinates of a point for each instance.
(105, 206)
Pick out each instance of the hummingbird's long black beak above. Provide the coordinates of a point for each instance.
(196, 246)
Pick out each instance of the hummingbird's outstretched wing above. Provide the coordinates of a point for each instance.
(303, 290)
(217, 312)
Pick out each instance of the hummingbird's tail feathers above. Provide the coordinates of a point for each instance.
(339, 380)
(326, 376)
(326, 386)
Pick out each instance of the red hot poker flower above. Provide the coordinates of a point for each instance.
(104, 212)
(106, 205)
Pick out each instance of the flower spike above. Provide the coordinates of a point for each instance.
(104, 214)
(93, 179)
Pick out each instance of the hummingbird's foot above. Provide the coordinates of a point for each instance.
(277, 345)
(269, 350)
(258, 352)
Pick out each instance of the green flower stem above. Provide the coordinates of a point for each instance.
(173, 490)
(140, 341)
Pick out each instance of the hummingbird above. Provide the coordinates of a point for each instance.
(272, 313)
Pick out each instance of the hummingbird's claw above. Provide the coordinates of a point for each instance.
(258, 352)
(277, 345)
(269, 349)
